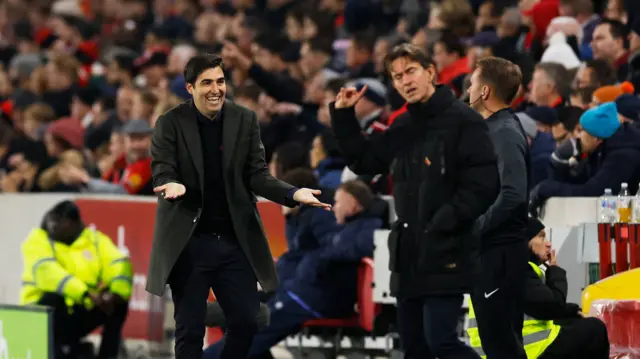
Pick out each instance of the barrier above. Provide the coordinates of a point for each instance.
(15, 322)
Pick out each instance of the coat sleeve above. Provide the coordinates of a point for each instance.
(546, 301)
(351, 249)
(616, 168)
(260, 181)
(370, 155)
(477, 181)
(117, 271)
(512, 169)
(164, 162)
(48, 274)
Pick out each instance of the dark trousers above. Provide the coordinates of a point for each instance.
(428, 328)
(498, 300)
(287, 317)
(211, 261)
(70, 326)
(584, 339)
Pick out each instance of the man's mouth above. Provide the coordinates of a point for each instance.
(214, 99)
(410, 91)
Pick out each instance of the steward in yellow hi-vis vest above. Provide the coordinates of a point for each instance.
(552, 328)
(82, 275)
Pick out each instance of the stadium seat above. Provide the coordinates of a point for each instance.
(366, 308)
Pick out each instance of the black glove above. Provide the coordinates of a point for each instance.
(536, 202)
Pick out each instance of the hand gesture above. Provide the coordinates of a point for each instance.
(348, 97)
(552, 258)
(308, 196)
(171, 190)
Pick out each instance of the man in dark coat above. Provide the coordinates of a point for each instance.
(445, 176)
(208, 166)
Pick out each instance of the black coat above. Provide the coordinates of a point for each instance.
(444, 175)
(177, 157)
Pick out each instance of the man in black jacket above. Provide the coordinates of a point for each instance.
(445, 176)
(499, 291)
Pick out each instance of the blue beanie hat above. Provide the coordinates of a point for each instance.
(629, 106)
(601, 121)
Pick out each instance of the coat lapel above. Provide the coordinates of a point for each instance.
(231, 121)
(192, 139)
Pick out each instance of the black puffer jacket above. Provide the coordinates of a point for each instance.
(444, 175)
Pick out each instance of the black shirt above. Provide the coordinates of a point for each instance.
(215, 217)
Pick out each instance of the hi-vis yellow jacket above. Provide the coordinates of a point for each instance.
(92, 261)
(537, 335)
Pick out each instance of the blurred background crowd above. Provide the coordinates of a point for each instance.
(82, 82)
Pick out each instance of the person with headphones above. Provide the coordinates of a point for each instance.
(82, 275)
(498, 295)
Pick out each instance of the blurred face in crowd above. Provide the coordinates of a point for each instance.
(244, 39)
(634, 42)
(584, 77)
(379, 52)
(615, 11)
(442, 57)
(208, 91)
(412, 81)
(559, 132)
(137, 146)
(116, 144)
(364, 108)
(314, 92)
(345, 206)
(57, 79)
(204, 32)
(541, 88)
(293, 28)
(477, 53)
(540, 246)
(154, 74)
(420, 39)
(79, 109)
(124, 103)
(589, 143)
(323, 111)
(62, 29)
(267, 59)
(311, 61)
(317, 153)
(604, 46)
(357, 56)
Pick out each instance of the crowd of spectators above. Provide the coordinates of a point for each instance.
(82, 82)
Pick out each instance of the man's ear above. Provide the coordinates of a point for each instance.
(189, 88)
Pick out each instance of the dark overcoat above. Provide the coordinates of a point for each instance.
(176, 150)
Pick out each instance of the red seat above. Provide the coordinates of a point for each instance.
(366, 307)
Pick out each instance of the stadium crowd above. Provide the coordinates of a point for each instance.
(83, 82)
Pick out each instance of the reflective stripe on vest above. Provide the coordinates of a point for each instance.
(536, 336)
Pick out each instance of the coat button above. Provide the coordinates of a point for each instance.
(195, 220)
(405, 225)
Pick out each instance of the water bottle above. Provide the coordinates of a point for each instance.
(636, 206)
(604, 213)
(624, 204)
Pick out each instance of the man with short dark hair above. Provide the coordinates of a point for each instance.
(548, 85)
(208, 167)
(499, 291)
(610, 43)
(445, 176)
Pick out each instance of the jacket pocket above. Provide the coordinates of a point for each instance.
(438, 253)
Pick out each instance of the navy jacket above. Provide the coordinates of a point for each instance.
(305, 231)
(540, 151)
(616, 160)
(327, 278)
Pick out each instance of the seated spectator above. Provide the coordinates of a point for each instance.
(541, 145)
(306, 227)
(286, 157)
(131, 173)
(552, 327)
(325, 282)
(36, 119)
(64, 141)
(613, 157)
(628, 108)
(581, 97)
(451, 61)
(567, 125)
(86, 280)
(595, 74)
(326, 160)
(25, 169)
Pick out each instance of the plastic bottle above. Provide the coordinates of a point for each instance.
(624, 204)
(636, 207)
(604, 211)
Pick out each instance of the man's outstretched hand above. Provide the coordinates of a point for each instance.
(171, 190)
(308, 196)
